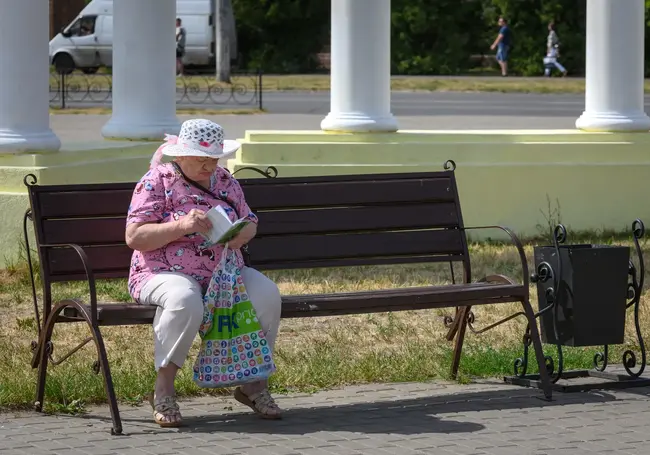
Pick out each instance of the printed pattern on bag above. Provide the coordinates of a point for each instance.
(234, 349)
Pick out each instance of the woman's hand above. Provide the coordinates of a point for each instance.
(150, 236)
(244, 236)
(195, 221)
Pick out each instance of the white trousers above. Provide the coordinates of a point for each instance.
(179, 299)
(548, 61)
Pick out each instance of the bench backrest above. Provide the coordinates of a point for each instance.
(305, 222)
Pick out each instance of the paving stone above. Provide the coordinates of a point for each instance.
(393, 419)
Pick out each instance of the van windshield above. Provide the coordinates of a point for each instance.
(83, 26)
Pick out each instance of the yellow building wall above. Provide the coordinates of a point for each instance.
(518, 179)
(85, 163)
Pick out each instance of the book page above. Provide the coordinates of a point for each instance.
(223, 230)
(233, 231)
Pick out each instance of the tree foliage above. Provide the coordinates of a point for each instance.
(282, 36)
(428, 37)
(434, 37)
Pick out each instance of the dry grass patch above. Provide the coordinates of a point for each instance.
(439, 84)
(312, 353)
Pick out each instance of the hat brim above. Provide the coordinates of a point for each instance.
(229, 147)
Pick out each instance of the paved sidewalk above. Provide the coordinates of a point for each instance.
(432, 418)
(86, 129)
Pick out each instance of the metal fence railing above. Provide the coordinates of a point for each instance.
(77, 89)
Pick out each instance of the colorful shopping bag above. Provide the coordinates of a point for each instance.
(234, 349)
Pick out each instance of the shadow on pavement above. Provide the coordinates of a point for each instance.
(435, 414)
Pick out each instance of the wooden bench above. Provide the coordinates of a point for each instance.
(305, 222)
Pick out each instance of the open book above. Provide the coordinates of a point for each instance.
(223, 230)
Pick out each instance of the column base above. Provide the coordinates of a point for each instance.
(16, 142)
(613, 121)
(358, 123)
(126, 129)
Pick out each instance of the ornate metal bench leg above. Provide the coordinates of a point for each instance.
(43, 356)
(45, 351)
(452, 324)
(544, 377)
(461, 324)
(102, 364)
(108, 382)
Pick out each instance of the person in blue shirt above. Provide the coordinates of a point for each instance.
(502, 45)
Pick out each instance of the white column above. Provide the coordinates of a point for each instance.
(144, 70)
(360, 67)
(615, 59)
(24, 77)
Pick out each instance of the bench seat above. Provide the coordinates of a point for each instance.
(411, 298)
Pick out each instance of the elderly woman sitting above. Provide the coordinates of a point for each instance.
(171, 267)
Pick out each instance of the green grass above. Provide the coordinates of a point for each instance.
(312, 353)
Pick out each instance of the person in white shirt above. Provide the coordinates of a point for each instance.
(552, 52)
(180, 46)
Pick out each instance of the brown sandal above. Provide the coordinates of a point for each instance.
(261, 403)
(166, 412)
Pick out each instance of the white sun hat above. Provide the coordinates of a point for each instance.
(200, 137)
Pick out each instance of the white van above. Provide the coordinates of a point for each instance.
(87, 43)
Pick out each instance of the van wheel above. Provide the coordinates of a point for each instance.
(64, 64)
(90, 70)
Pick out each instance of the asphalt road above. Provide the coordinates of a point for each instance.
(441, 103)
(423, 110)
(421, 104)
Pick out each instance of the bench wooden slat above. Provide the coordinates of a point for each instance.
(113, 261)
(109, 261)
(271, 195)
(113, 199)
(412, 298)
(299, 248)
(86, 203)
(94, 231)
(365, 218)
(342, 303)
(85, 231)
(116, 314)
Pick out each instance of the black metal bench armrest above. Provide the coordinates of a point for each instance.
(516, 242)
(90, 275)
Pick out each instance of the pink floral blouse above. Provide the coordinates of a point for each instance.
(163, 195)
